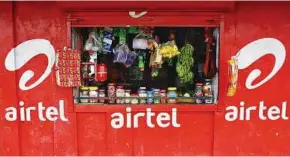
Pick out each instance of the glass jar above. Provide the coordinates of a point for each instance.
(134, 99)
(156, 95)
(171, 95)
(198, 93)
(111, 92)
(93, 94)
(163, 96)
(120, 92)
(149, 97)
(207, 91)
(142, 94)
(102, 95)
(127, 95)
(84, 92)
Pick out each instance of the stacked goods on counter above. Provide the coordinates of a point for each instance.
(118, 94)
(142, 56)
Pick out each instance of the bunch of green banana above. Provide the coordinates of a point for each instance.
(184, 64)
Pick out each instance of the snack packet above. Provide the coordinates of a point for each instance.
(233, 77)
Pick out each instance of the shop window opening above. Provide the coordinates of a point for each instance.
(147, 65)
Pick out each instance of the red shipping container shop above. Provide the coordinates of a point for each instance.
(254, 121)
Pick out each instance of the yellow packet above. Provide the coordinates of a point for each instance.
(233, 77)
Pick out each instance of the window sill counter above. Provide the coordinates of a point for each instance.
(142, 107)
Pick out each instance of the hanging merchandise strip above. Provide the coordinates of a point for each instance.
(68, 68)
(209, 68)
(215, 78)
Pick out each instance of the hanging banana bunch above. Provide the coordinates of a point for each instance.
(185, 63)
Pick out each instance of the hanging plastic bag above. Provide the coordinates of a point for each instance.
(140, 41)
(97, 43)
(120, 53)
(233, 77)
(92, 44)
(131, 57)
(140, 44)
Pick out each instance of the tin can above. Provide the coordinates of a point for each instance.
(198, 93)
(111, 92)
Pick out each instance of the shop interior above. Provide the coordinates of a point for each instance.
(147, 65)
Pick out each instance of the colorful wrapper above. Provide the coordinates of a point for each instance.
(233, 77)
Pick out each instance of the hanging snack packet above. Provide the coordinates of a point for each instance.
(122, 35)
(107, 39)
(233, 77)
(155, 56)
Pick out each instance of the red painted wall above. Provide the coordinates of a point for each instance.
(251, 21)
(8, 94)
(89, 133)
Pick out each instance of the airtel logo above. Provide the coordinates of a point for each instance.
(25, 51)
(254, 51)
